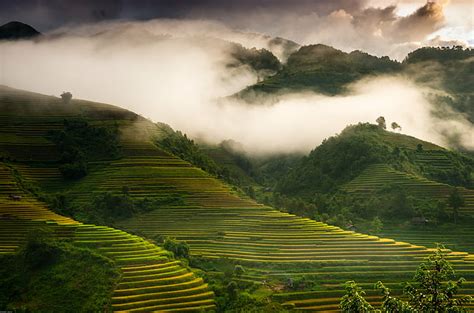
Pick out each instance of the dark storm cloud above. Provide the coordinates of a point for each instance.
(50, 14)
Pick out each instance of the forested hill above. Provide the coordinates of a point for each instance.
(326, 70)
(323, 69)
(342, 158)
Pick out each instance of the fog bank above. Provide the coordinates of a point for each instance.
(173, 72)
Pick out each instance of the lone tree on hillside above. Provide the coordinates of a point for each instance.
(456, 201)
(381, 122)
(66, 96)
(395, 126)
(354, 301)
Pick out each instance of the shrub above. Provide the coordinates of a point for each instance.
(180, 249)
(74, 170)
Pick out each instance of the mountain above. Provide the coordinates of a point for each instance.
(448, 69)
(154, 208)
(326, 70)
(342, 158)
(322, 69)
(17, 30)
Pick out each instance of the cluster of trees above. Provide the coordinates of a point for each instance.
(440, 54)
(433, 290)
(180, 249)
(109, 207)
(314, 181)
(337, 160)
(179, 144)
(234, 293)
(383, 124)
(392, 203)
(80, 142)
(48, 275)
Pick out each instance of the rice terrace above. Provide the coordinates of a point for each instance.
(251, 156)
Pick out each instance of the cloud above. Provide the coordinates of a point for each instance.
(170, 72)
(382, 27)
(417, 26)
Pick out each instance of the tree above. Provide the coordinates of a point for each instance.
(432, 291)
(66, 96)
(395, 126)
(455, 201)
(239, 270)
(381, 122)
(419, 147)
(354, 301)
(179, 248)
(376, 225)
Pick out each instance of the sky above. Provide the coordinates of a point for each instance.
(381, 27)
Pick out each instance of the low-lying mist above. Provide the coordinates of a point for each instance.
(180, 77)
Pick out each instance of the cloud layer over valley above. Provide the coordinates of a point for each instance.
(177, 72)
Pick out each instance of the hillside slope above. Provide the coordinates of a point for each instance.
(322, 69)
(150, 278)
(326, 70)
(219, 225)
(342, 158)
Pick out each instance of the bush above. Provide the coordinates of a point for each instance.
(180, 249)
(74, 170)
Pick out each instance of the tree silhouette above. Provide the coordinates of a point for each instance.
(381, 122)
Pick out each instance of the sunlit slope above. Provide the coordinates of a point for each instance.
(271, 245)
(217, 223)
(151, 279)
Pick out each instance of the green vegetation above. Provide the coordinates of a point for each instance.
(432, 291)
(253, 257)
(79, 143)
(329, 71)
(341, 158)
(239, 175)
(47, 275)
(180, 249)
(323, 69)
(336, 178)
(260, 60)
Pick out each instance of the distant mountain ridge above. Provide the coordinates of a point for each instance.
(17, 30)
(324, 69)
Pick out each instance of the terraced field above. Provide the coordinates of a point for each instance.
(458, 238)
(217, 223)
(379, 175)
(273, 246)
(151, 279)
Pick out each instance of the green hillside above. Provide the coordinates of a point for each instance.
(322, 69)
(326, 70)
(341, 158)
(151, 279)
(296, 261)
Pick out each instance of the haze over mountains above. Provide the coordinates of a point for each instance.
(150, 75)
